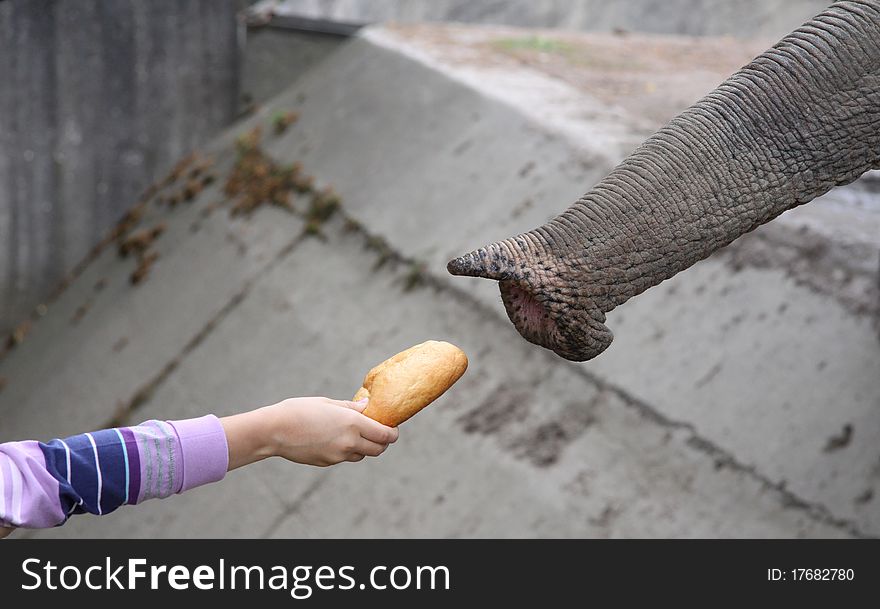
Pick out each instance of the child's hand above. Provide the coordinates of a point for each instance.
(314, 431)
(321, 431)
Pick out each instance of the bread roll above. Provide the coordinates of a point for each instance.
(401, 386)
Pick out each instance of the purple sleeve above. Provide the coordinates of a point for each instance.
(28, 491)
(203, 449)
(42, 484)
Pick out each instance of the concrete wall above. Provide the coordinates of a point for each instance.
(743, 18)
(97, 99)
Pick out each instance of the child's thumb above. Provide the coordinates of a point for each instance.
(360, 405)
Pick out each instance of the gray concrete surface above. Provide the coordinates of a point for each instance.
(98, 98)
(743, 18)
(276, 57)
(710, 415)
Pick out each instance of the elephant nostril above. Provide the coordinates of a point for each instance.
(528, 313)
(531, 311)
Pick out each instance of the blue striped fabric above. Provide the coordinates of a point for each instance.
(55, 453)
(94, 469)
(113, 475)
(78, 486)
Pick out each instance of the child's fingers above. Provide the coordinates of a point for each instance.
(370, 449)
(376, 432)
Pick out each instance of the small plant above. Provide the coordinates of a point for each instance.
(179, 168)
(249, 141)
(200, 166)
(540, 44)
(303, 184)
(352, 226)
(192, 189)
(416, 276)
(256, 179)
(324, 205)
(282, 120)
(128, 221)
(19, 333)
(383, 251)
(137, 243)
(145, 264)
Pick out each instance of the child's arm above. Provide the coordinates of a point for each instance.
(42, 484)
(313, 431)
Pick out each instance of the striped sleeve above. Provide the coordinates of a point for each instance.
(42, 484)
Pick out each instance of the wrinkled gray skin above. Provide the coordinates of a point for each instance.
(800, 119)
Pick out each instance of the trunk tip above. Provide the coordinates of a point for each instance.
(468, 265)
(488, 262)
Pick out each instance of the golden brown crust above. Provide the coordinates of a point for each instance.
(402, 385)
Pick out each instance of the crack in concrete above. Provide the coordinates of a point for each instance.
(723, 458)
(146, 391)
(293, 507)
(846, 272)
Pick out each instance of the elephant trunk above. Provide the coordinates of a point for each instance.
(798, 120)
